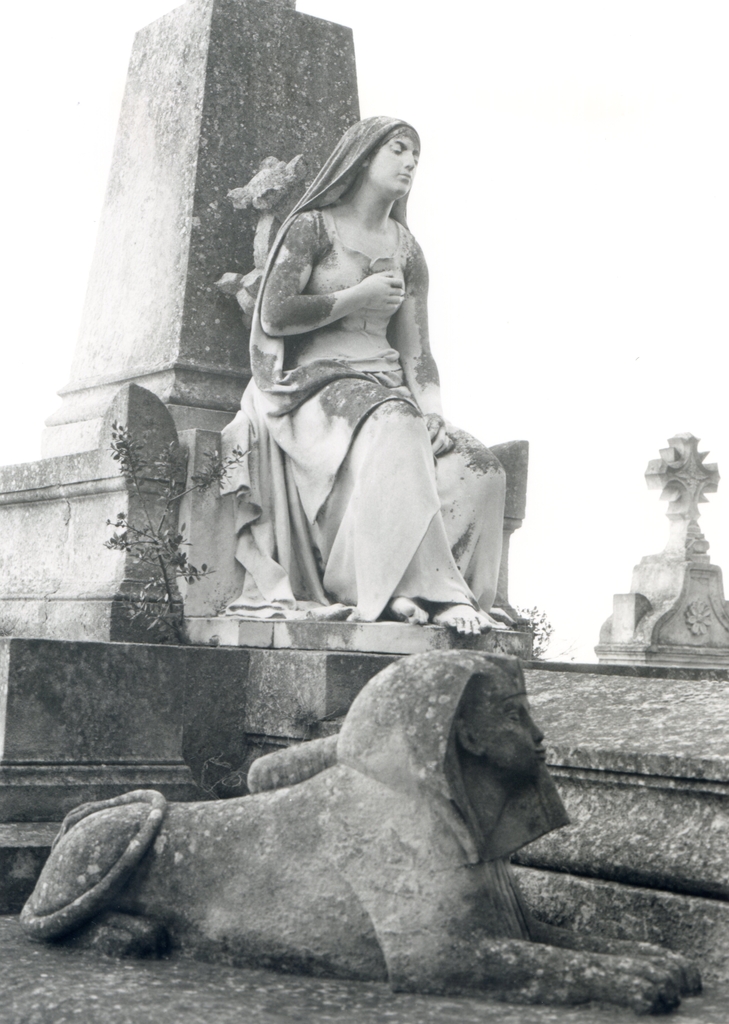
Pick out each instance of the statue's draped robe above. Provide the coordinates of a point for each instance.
(340, 499)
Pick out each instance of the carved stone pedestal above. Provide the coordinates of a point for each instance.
(676, 615)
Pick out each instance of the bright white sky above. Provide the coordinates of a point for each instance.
(573, 204)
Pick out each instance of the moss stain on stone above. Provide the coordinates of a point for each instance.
(476, 455)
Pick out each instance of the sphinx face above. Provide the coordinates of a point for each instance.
(499, 731)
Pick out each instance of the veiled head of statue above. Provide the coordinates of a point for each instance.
(455, 727)
(359, 145)
(390, 168)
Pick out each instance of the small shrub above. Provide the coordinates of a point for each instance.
(542, 630)
(156, 543)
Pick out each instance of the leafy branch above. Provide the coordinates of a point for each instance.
(156, 543)
(542, 630)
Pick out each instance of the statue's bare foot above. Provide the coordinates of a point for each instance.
(501, 615)
(405, 610)
(465, 620)
(330, 613)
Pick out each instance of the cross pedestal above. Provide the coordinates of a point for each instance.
(675, 613)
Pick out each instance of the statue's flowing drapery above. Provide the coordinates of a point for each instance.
(340, 499)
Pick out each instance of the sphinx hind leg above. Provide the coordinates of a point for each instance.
(97, 851)
(121, 935)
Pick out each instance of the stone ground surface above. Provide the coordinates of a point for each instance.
(47, 985)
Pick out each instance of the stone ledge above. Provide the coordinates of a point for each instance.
(635, 767)
(622, 777)
(46, 475)
(672, 726)
(63, 491)
(643, 769)
(29, 833)
(668, 656)
(33, 793)
(568, 668)
(352, 637)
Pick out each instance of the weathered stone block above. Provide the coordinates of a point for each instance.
(85, 721)
(287, 692)
(77, 703)
(642, 764)
(56, 577)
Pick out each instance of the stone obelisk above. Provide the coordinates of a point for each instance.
(214, 87)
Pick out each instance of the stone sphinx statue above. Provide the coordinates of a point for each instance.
(378, 854)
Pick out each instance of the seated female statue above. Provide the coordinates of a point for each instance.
(357, 499)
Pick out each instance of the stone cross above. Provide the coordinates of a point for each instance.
(684, 480)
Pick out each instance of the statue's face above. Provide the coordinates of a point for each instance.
(391, 168)
(501, 732)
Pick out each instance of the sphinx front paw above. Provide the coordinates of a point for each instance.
(686, 974)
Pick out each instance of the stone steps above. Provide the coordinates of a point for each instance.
(642, 764)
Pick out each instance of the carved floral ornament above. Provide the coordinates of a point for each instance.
(698, 617)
